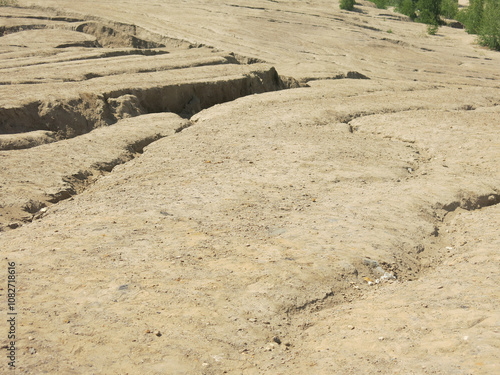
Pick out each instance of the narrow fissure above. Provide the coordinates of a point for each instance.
(418, 257)
(72, 111)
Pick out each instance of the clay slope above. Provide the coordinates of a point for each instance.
(263, 187)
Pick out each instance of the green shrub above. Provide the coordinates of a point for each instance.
(482, 17)
(407, 7)
(432, 29)
(489, 31)
(8, 3)
(347, 4)
(472, 16)
(462, 16)
(381, 4)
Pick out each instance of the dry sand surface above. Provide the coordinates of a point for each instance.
(247, 187)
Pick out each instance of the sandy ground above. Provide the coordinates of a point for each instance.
(258, 187)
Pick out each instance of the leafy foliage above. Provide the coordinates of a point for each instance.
(429, 11)
(489, 31)
(381, 4)
(407, 7)
(449, 8)
(347, 4)
(8, 3)
(432, 29)
(472, 16)
(482, 17)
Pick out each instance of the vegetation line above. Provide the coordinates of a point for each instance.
(481, 17)
(8, 3)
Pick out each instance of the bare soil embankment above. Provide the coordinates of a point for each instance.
(346, 226)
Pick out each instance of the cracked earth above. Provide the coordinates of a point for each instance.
(259, 187)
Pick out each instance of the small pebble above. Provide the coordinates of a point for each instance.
(350, 327)
(158, 333)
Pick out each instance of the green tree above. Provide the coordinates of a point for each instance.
(449, 8)
(429, 11)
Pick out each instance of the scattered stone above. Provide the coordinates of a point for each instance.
(277, 340)
(33, 206)
(387, 276)
(370, 263)
(350, 327)
(269, 347)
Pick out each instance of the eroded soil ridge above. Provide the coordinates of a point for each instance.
(169, 221)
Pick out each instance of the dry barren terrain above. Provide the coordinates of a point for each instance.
(247, 187)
